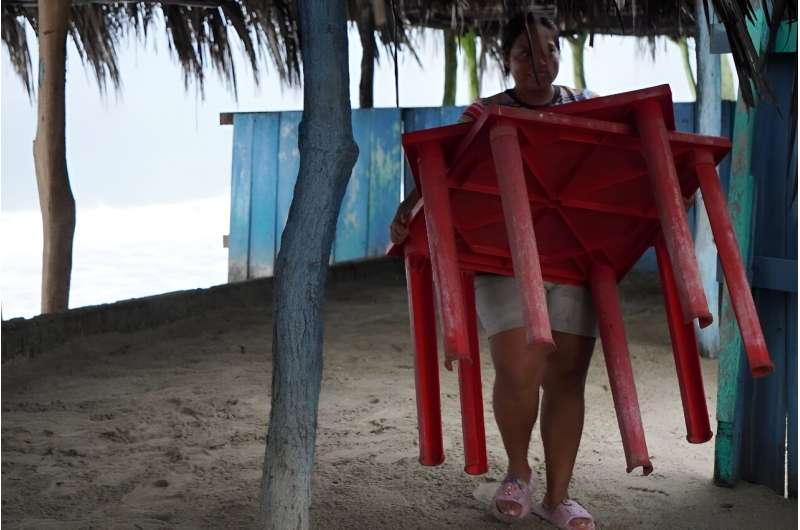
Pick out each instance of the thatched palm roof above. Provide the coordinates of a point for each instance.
(197, 34)
(198, 29)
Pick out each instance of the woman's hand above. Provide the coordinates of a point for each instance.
(398, 231)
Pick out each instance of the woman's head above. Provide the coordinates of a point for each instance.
(543, 44)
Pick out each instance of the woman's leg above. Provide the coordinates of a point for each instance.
(518, 376)
(563, 410)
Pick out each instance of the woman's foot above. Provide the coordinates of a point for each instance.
(566, 515)
(513, 499)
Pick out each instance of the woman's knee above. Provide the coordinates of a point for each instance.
(516, 366)
(568, 366)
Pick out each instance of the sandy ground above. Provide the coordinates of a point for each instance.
(165, 428)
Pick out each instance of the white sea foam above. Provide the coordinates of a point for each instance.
(119, 253)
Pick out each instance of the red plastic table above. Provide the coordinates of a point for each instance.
(574, 194)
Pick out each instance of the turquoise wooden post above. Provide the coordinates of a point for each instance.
(708, 120)
(740, 208)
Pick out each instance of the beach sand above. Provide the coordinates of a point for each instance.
(165, 428)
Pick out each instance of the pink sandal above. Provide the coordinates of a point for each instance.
(513, 490)
(563, 514)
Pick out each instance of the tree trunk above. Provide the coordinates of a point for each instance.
(366, 30)
(577, 44)
(327, 156)
(450, 64)
(687, 66)
(50, 157)
(468, 45)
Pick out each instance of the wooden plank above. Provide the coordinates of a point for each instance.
(264, 201)
(684, 117)
(786, 39)
(776, 274)
(765, 401)
(226, 118)
(241, 178)
(450, 115)
(351, 226)
(288, 167)
(384, 186)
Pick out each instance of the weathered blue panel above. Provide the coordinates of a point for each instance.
(239, 235)
(450, 115)
(288, 167)
(263, 199)
(384, 186)
(684, 117)
(264, 189)
(351, 229)
(426, 118)
(765, 400)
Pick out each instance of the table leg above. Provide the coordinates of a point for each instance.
(426, 367)
(469, 382)
(669, 202)
(687, 358)
(442, 246)
(521, 236)
(735, 278)
(618, 365)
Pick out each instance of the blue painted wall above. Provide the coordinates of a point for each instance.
(768, 406)
(266, 161)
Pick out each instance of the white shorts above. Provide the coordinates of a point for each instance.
(500, 307)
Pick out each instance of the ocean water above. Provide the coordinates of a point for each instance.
(118, 253)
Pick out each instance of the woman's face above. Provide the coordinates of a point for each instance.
(546, 59)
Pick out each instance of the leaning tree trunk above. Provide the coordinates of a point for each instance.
(577, 43)
(687, 66)
(327, 156)
(366, 30)
(450, 67)
(50, 157)
(467, 43)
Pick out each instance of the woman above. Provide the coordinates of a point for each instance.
(531, 56)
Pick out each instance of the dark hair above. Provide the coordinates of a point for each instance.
(516, 26)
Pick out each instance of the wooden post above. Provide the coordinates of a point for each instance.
(467, 43)
(50, 157)
(741, 201)
(708, 120)
(327, 156)
(450, 70)
(366, 31)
